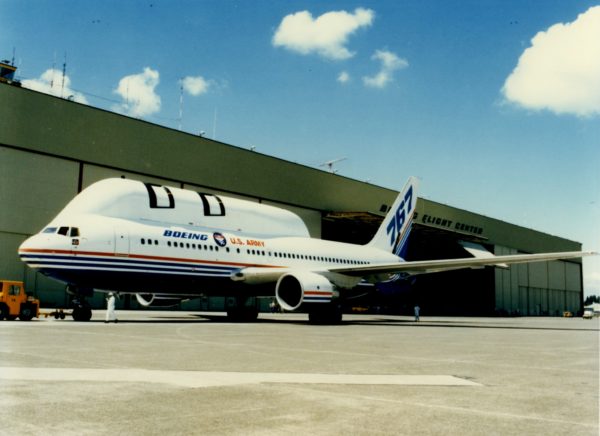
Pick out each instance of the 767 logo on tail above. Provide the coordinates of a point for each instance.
(396, 225)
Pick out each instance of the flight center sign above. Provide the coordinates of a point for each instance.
(447, 224)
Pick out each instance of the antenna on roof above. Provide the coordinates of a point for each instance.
(329, 164)
(64, 73)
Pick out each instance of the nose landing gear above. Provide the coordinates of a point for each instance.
(81, 308)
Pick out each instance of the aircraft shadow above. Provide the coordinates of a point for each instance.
(372, 321)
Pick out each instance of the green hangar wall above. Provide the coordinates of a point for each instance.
(51, 148)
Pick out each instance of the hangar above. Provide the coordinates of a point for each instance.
(52, 148)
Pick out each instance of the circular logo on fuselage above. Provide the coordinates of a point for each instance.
(220, 239)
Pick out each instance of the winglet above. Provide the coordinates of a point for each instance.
(393, 233)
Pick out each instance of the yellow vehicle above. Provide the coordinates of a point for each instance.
(14, 302)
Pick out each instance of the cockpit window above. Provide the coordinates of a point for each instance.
(73, 232)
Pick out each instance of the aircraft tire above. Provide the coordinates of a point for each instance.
(245, 314)
(331, 314)
(82, 314)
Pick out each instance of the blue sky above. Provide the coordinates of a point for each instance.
(495, 105)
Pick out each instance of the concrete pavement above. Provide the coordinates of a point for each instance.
(183, 373)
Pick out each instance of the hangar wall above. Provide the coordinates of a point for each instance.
(544, 288)
(51, 148)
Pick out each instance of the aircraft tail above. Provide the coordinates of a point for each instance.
(393, 233)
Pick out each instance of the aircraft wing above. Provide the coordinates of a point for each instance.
(254, 275)
(439, 265)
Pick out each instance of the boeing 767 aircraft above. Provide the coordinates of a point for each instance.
(160, 243)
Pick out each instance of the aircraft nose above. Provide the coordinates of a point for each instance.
(27, 245)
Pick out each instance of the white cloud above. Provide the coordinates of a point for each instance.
(343, 77)
(326, 35)
(390, 62)
(195, 85)
(51, 82)
(560, 71)
(137, 91)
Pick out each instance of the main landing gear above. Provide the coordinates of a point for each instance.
(241, 309)
(325, 314)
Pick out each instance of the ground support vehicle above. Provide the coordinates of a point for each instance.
(15, 303)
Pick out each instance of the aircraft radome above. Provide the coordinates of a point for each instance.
(167, 244)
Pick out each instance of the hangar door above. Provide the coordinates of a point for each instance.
(464, 292)
(467, 292)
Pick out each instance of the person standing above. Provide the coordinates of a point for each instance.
(417, 311)
(111, 315)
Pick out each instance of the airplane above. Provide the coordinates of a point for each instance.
(166, 244)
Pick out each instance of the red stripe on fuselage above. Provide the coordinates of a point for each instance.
(141, 256)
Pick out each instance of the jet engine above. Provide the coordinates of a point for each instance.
(153, 300)
(294, 289)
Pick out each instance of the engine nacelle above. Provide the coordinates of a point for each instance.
(152, 300)
(294, 289)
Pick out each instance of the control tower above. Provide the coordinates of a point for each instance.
(7, 73)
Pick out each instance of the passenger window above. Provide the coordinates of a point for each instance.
(143, 241)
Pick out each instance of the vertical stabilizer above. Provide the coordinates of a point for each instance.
(393, 233)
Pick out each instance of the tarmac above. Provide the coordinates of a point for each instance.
(162, 372)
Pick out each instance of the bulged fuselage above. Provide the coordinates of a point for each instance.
(128, 236)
